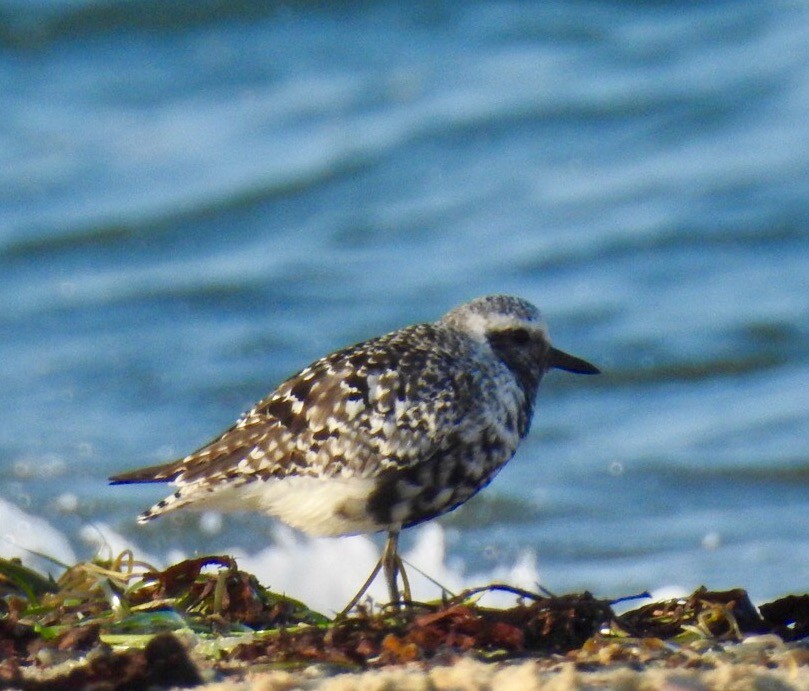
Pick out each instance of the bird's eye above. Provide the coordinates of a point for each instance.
(519, 336)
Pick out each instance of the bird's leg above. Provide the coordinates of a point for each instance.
(392, 563)
(405, 580)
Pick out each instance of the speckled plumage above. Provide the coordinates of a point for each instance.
(381, 435)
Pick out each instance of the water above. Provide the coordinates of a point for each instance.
(198, 199)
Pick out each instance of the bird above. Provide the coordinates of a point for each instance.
(382, 435)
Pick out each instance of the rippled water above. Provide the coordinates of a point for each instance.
(197, 199)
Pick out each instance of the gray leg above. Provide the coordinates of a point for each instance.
(391, 563)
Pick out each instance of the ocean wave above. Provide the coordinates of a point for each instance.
(27, 25)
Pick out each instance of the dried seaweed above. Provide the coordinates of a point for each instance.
(719, 614)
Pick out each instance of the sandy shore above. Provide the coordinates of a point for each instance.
(758, 662)
(472, 675)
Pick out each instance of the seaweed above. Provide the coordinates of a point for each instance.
(133, 625)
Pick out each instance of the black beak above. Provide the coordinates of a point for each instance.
(560, 360)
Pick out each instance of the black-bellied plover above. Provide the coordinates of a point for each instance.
(382, 435)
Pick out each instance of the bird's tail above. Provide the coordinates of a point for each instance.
(165, 472)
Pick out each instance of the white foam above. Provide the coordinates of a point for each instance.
(326, 572)
(27, 537)
(668, 592)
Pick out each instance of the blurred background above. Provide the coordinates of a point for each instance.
(199, 198)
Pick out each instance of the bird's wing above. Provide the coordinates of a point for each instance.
(389, 401)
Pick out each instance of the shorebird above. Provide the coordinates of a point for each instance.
(382, 435)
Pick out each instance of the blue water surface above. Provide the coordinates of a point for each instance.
(199, 198)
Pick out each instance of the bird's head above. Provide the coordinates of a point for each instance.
(516, 333)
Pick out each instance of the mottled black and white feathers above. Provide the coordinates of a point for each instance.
(383, 434)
